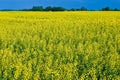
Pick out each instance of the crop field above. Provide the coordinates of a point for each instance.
(60, 45)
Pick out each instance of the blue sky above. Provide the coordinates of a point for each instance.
(90, 4)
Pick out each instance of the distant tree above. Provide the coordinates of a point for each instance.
(49, 8)
(106, 9)
(115, 9)
(77, 9)
(72, 9)
(83, 9)
(58, 9)
(37, 8)
(8, 10)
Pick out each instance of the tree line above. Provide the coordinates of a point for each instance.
(50, 8)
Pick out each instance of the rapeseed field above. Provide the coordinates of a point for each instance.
(60, 45)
